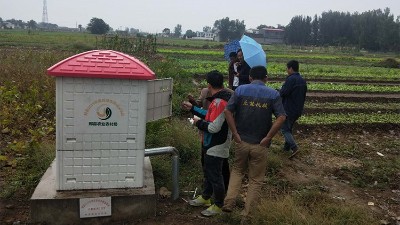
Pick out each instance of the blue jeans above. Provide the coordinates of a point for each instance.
(213, 180)
(286, 130)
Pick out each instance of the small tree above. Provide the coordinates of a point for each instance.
(207, 29)
(166, 31)
(190, 34)
(98, 26)
(262, 26)
(133, 31)
(178, 30)
(80, 27)
(229, 29)
(32, 24)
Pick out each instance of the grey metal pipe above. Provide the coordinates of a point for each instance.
(175, 165)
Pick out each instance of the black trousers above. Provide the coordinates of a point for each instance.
(213, 180)
(225, 169)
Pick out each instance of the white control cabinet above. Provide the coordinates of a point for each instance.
(101, 119)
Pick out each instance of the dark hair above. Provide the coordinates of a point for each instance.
(239, 50)
(258, 72)
(294, 64)
(215, 79)
(232, 54)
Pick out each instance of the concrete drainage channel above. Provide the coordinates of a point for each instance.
(175, 165)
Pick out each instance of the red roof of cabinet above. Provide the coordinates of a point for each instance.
(102, 64)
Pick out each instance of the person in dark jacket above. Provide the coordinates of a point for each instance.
(249, 116)
(293, 93)
(243, 69)
(215, 144)
(232, 69)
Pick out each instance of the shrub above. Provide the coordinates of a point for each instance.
(388, 63)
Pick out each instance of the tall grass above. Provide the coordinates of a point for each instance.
(185, 138)
(310, 208)
(25, 66)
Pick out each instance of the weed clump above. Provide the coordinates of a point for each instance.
(388, 63)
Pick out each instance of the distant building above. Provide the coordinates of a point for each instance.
(8, 25)
(267, 35)
(252, 31)
(204, 36)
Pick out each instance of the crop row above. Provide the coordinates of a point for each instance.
(271, 56)
(308, 70)
(365, 118)
(337, 87)
(352, 105)
(346, 87)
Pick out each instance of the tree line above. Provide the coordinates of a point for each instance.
(375, 30)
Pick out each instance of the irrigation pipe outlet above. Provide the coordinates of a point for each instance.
(175, 165)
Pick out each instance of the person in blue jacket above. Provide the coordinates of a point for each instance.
(293, 93)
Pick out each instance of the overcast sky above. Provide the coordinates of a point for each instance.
(155, 15)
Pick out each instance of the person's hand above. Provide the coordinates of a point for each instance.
(186, 105)
(191, 99)
(195, 119)
(265, 142)
(237, 138)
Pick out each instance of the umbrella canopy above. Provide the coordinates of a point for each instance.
(232, 46)
(253, 52)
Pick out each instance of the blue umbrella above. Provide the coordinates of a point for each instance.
(232, 46)
(253, 52)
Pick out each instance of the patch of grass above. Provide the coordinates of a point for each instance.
(162, 171)
(231, 218)
(176, 133)
(185, 138)
(309, 207)
(274, 164)
(29, 169)
(81, 46)
(382, 171)
(25, 114)
(372, 167)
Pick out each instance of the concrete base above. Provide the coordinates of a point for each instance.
(62, 207)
